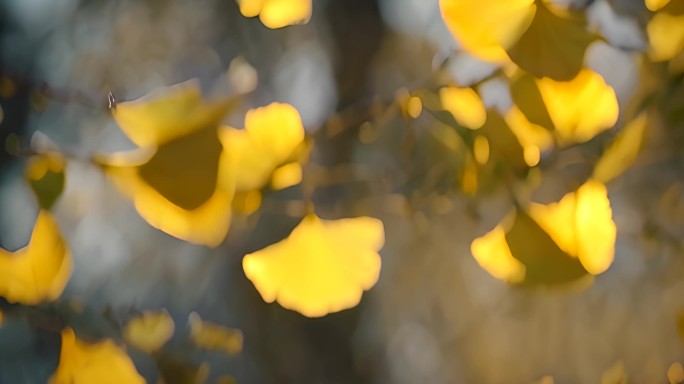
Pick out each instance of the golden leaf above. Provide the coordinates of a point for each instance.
(277, 13)
(623, 152)
(40, 271)
(465, 105)
(322, 267)
(103, 362)
(208, 335)
(149, 331)
(493, 254)
(271, 137)
(582, 225)
(654, 5)
(580, 108)
(487, 28)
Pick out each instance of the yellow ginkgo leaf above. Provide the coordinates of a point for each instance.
(277, 13)
(271, 137)
(103, 362)
(322, 267)
(623, 152)
(40, 271)
(149, 331)
(580, 108)
(487, 28)
(212, 336)
(654, 5)
(666, 32)
(493, 254)
(184, 187)
(465, 105)
(582, 225)
(169, 113)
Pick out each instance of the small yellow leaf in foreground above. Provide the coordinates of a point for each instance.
(150, 331)
(103, 362)
(623, 152)
(40, 271)
(533, 138)
(465, 105)
(277, 13)
(271, 137)
(580, 108)
(322, 267)
(213, 336)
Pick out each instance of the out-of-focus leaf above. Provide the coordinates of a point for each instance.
(623, 152)
(552, 244)
(553, 45)
(487, 28)
(45, 174)
(277, 13)
(465, 105)
(533, 138)
(654, 5)
(666, 32)
(580, 108)
(545, 263)
(286, 176)
(176, 370)
(529, 100)
(103, 362)
(149, 331)
(322, 267)
(40, 271)
(503, 142)
(675, 373)
(491, 251)
(271, 137)
(582, 225)
(615, 374)
(212, 336)
(169, 113)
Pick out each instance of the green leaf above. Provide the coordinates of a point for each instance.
(553, 46)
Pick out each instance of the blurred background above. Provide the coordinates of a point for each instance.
(434, 316)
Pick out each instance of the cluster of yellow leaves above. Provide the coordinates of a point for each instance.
(104, 362)
(666, 30)
(149, 331)
(40, 271)
(277, 13)
(538, 36)
(322, 267)
(185, 173)
(552, 244)
(188, 172)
